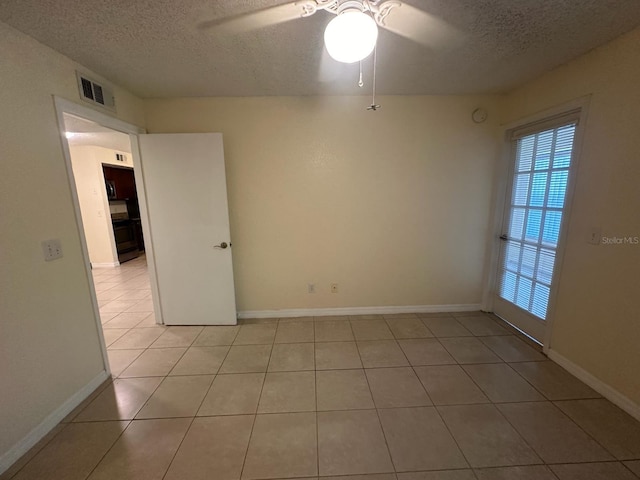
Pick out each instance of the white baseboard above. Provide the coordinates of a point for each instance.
(105, 265)
(325, 312)
(34, 436)
(608, 392)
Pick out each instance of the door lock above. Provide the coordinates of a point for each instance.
(223, 245)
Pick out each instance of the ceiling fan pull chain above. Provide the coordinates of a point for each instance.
(374, 106)
(360, 82)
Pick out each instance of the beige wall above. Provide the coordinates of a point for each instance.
(48, 337)
(596, 322)
(96, 219)
(392, 205)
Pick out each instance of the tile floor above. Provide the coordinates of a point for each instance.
(398, 397)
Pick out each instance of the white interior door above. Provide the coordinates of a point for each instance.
(534, 215)
(186, 194)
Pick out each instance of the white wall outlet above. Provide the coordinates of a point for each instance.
(51, 249)
(594, 235)
(311, 287)
(334, 288)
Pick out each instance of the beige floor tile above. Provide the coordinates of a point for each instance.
(74, 452)
(200, 361)
(469, 350)
(149, 321)
(125, 320)
(282, 445)
(119, 401)
(294, 332)
(288, 392)
(233, 395)
(408, 328)
(502, 384)
(19, 464)
(118, 305)
(426, 352)
(351, 442)
(364, 330)
(593, 471)
(106, 316)
(613, 428)
(482, 325)
(343, 390)
(396, 387)
(214, 336)
(511, 349)
(486, 438)
(291, 357)
(145, 305)
(113, 334)
(449, 385)
(259, 334)
(154, 362)
(446, 327)
(356, 317)
(144, 451)
(381, 353)
(419, 440)
(85, 403)
(137, 338)
(552, 434)
(214, 448)
(295, 320)
(333, 318)
(136, 294)
(258, 321)
(177, 337)
(337, 355)
(176, 397)
(246, 359)
(553, 381)
(333, 331)
(438, 475)
(119, 360)
(634, 466)
(534, 472)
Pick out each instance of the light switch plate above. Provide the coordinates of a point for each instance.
(51, 249)
(594, 235)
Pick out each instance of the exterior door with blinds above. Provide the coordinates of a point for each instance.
(533, 220)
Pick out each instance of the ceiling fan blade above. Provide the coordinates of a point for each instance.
(255, 20)
(421, 27)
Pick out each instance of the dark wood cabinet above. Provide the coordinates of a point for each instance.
(123, 180)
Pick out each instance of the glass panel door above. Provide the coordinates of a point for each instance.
(531, 227)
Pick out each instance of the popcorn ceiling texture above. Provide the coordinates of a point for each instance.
(169, 48)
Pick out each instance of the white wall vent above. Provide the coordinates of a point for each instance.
(96, 93)
(121, 157)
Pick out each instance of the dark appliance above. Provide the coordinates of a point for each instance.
(126, 238)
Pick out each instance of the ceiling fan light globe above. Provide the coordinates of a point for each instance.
(351, 36)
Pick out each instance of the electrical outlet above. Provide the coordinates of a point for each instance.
(51, 249)
(311, 287)
(334, 288)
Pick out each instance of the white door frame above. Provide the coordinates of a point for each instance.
(63, 106)
(501, 184)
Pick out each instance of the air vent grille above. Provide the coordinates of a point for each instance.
(96, 93)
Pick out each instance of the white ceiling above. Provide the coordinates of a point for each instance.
(86, 132)
(169, 48)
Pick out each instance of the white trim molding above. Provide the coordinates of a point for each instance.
(55, 417)
(326, 312)
(608, 392)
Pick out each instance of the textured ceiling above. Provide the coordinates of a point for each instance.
(170, 48)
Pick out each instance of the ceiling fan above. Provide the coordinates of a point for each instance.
(352, 35)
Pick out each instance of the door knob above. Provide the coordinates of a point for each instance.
(222, 245)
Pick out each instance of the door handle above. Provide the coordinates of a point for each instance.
(504, 237)
(223, 245)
